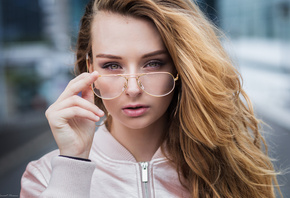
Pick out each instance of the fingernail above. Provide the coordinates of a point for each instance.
(97, 118)
(101, 112)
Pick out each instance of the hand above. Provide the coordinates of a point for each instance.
(72, 118)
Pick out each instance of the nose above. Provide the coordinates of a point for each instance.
(133, 89)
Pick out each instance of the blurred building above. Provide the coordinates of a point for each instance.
(36, 53)
(260, 18)
(260, 30)
(21, 21)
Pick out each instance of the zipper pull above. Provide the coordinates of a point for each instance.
(144, 171)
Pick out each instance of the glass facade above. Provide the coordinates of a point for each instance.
(260, 18)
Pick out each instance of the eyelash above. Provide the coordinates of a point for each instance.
(109, 66)
(157, 62)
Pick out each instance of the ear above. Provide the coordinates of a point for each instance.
(90, 67)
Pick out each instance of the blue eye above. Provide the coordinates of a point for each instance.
(111, 66)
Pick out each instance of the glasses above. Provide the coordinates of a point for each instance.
(157, 84)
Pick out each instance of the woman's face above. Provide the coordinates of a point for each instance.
(127, 45)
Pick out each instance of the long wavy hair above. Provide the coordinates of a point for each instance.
(213, 138)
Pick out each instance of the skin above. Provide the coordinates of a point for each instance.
(72, 118)
(129, 46)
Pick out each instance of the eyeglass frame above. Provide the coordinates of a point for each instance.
(136, 76)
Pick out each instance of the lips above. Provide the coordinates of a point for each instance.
(135, 110)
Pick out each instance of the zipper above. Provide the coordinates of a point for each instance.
(144, 178)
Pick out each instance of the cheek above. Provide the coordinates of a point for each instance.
(110, 106)
(162, 104)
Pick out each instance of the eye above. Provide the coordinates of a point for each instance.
(154, 64)
(111, 66)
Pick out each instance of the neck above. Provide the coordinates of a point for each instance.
(142, 143)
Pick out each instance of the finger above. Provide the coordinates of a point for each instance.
(73, 112)
(88, 94)
(79, 84)
(79, 102)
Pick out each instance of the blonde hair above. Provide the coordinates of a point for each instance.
(213, 139)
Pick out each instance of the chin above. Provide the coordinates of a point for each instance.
(142, 122)
(136, 124)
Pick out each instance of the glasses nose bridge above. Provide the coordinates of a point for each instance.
(128, 76)
(136, 76)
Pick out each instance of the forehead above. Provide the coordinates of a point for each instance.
(114, 32)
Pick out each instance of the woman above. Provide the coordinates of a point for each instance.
(175, 125)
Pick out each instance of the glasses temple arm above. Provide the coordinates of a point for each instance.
(176, 78)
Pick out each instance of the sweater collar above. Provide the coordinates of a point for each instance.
(110, 147)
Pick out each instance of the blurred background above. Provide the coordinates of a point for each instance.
(37, 39)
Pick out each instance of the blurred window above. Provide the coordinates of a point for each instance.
(21, 20)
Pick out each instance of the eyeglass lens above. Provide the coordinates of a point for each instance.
(155, 84)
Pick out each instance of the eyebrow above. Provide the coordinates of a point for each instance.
(110, 56)
(154, 53)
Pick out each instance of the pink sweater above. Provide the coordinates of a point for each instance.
(113, 172)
